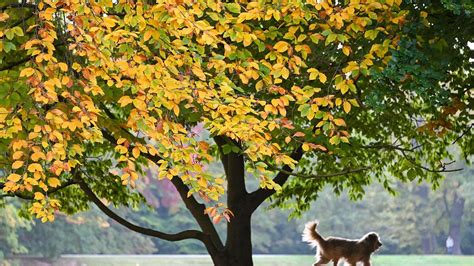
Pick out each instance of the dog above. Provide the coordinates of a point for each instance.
(335, 248)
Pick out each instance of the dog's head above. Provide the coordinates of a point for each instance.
(373, 241)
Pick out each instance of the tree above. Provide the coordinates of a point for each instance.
(10, 224)
(326, 92)
(456, 200)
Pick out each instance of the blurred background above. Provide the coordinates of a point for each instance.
(416, 221)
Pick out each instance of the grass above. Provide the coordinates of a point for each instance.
(259, 260)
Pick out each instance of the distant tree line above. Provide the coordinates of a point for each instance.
(417, 221)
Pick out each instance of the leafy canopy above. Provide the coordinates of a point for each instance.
(99, 88)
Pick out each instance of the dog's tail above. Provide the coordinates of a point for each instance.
(311, 235)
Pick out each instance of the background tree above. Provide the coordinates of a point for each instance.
(10, 225)
(339, 93)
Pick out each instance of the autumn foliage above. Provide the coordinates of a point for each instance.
(266, 74)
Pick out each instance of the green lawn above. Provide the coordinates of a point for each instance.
(259, 260)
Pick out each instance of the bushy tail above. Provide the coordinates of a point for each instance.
(310, 234)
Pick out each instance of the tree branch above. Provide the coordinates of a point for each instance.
(234, 170)
(462, 134)
(21, 20)
(389, 147)
(196, 208)
(345, 172)
(188, 234)
(14, 64)
(18, 5)
(443, 166)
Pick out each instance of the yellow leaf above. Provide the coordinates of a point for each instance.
(62, 66)
(26, 72)
(35, 167)
(202, 182)
(147, 35)
(339, 122)
(139, 104)
(287, 139)
(48, 13)
(322, 77)
(14, 177)
(17, 164)
(305, 147)
(313, 73)
(17, 155)
(124, 101)
(53, 182)
(198, 72)
(39, 196)
(347, 107)
(247, 39)
(109, 22)
(136, 152)
(346, 50)
(281, 46)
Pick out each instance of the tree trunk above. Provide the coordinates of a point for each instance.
(238, 247)
(455, 219)
(239, 241)
(426, 244)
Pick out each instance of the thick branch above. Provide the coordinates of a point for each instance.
(235, 172)
(196, 208)
(17, 5)
(14, 64)
(188, 234)
(21, 20)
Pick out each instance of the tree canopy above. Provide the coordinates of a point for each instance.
(339, 92)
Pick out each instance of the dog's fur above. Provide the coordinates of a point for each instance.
(335, 248)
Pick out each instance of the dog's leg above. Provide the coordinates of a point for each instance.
(321, 261)
(335, 262)
(367, 262)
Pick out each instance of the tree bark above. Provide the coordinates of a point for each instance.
(239, 240)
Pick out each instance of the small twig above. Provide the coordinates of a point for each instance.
(443, 167)
(389, 147)
(462, 135)
(345, 172)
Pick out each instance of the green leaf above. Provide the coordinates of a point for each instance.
(233, 7)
